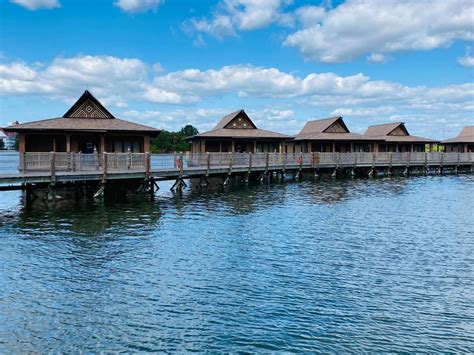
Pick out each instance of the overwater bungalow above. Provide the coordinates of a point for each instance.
(86, 127)
(395, 138)
(330, 135)
(237, 133)
(463, 143)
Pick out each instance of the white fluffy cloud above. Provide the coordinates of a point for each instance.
(354, 29)
(365, 27)
(282, 93)
(466, 61)
(37, 4)
(232, 15)
(65, 77)
(135, 6)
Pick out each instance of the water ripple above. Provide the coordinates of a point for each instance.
(330, 266)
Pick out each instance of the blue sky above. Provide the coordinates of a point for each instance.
(170, 63)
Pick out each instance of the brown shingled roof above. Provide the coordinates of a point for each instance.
(224, 122)
(465, 136)
(384, 129)
(383, 132)
(86, 115)
(225, 129)
(81, 124)
(318, 130)
(242, 133)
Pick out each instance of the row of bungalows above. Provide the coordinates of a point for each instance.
(237, 133)
(88, 127)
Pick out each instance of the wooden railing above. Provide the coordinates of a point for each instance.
(123, 162)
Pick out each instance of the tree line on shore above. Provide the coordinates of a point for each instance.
(168, 142)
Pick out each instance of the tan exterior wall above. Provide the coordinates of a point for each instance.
(21, 143)
(146, 144)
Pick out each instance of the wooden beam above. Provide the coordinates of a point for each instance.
(68, 143)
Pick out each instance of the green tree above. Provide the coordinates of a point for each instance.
(189, 131)
(168, 142)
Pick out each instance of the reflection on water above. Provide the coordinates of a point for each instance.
(345, 265)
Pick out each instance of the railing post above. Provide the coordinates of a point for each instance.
(208, 163)
(337, 159)
(181, 165)
(231, 161)
(390, 160)
(129, 160)
(355, 159)
(73, 161)
(283, 160)
(266, 161)
(104, 173)
(250, 162)
(459, 158)
(147, 165)
(53, 166)
(23, 163)
(301, 160)
(408, 158)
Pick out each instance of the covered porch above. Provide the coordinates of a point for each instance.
(83, 142)
(237, 146)
(404, 147)
(333, 147)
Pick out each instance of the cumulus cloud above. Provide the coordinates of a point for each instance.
(130, 79)
(230, 16)
(65, 77)
(377, 58)
(37, 4)
(203, 118)
(466, 61)
(135, 6)
(206, 118)
(375, 28)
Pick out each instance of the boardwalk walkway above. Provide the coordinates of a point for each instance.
(34, 168)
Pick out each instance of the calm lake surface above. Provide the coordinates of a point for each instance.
(330, 266)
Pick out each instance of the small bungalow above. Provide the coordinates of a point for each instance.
(86, 127)
(395, 138)
(237, 133)
(330, 135)
(463, 143)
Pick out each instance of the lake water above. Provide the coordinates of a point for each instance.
(332, 266)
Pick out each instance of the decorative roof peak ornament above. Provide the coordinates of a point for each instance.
(87, 106)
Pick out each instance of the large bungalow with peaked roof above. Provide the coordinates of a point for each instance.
(330, 135)
(237, 133)
(395, 138)
(86, 127)
(463, 143)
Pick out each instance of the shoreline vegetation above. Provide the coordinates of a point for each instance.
(169, 141)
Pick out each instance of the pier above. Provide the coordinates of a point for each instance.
(49, 169)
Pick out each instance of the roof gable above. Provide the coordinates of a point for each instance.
(400, 130)
(326, 125)
(337, 127)
(236, 120)
(87, 106)
(387, 129)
